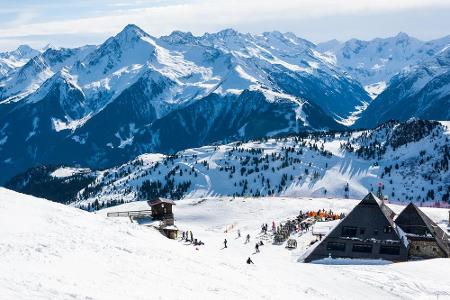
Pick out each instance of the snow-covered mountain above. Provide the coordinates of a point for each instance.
(410, 159)
(99, 106)
(373, 63)
(421, 91)
(15, 59)
(58, 107)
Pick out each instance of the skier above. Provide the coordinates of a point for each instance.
(182, 238)
(225, 243)
(249, 261)
(247, 239)
(239, 233)
(257, 248)
(192, 237)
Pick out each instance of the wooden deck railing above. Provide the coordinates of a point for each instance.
(131, 214)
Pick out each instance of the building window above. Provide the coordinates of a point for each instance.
(388, 229)
(349, 231)
(417, 248)
(362, 248)
(391, 250)
(362, 230)
(334, 246)
(434, 249)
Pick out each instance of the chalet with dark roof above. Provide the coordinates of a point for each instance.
(426, 238)
(367, 232)
(161, 208)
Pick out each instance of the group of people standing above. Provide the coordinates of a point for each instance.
(188, 236)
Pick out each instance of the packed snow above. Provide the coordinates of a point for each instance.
(59, 252)
(68, 171)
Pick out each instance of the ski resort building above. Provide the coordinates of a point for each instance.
(368, 232)
(162, 211)
(160, 216)
(426, 239)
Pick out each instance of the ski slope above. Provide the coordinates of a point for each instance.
(52, 251)
(312, 166)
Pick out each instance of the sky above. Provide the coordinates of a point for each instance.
(66, 23)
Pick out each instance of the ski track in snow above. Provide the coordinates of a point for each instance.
(58, 252)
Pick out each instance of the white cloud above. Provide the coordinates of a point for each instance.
(211, 15)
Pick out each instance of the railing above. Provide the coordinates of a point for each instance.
(131, 214)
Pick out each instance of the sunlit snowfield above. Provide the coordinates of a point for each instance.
(52, 251)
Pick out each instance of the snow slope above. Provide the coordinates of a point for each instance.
(59, 252)
(410, 159)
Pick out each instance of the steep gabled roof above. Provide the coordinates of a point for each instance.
(371, 199)
(370, 214)
(157, 201)
(413, 216)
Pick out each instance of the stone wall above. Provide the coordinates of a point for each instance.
(424, 249)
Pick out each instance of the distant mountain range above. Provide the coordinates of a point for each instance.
(98, 106)
(410, 159)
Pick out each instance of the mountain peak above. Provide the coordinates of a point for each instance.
(402, 35)
(49, 46)
(131, 32)
(179, 37)
(227, 32)
(23, 49)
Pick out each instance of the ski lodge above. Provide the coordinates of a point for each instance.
(426, 239)
(160, 216)
(372, 231)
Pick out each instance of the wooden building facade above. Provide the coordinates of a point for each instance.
(426, 238)
(162, 209)
(368, 232)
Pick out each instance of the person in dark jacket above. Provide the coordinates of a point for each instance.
(257, 248)
(225, 243)
(247, 239)
(249, 261)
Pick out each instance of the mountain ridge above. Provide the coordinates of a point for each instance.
(148, 84)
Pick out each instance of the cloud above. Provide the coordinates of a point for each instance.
(161, 17)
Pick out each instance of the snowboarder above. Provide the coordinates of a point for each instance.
(257, 248)
(247, 239)
(225, 243)
(249, 261)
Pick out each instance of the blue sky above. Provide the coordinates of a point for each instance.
(74, 23)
